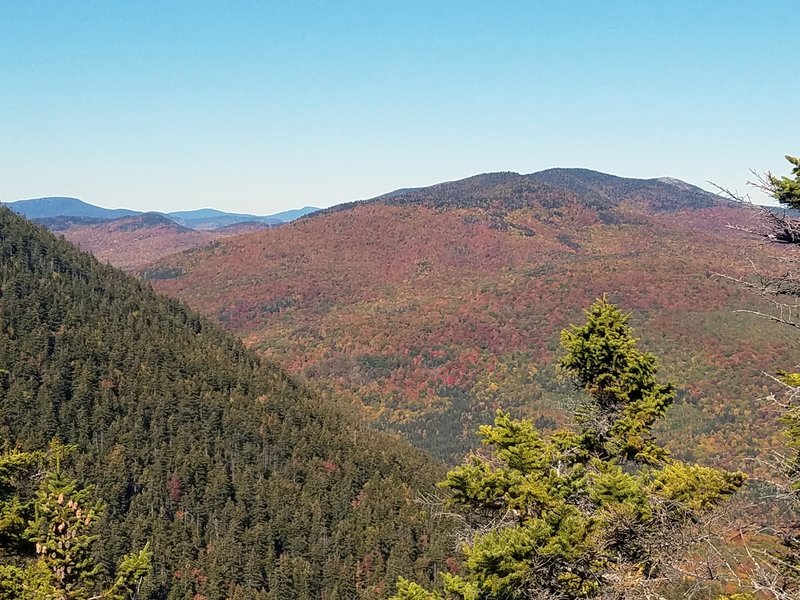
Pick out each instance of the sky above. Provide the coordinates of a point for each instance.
(264, 106)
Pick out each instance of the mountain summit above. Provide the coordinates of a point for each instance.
(58, 206)
(552, 189)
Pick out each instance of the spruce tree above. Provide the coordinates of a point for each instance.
(786, 190)
(589, 511)
(53, 557)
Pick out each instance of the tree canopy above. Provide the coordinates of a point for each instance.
(597, 509)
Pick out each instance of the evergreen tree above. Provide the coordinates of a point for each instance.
(15, 468)
(786, 190)
(53, 557)
(595, 510)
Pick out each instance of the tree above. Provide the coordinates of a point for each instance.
(62, 531)
(15, 468)
(785, 189)
(777, 571)
(596, 510)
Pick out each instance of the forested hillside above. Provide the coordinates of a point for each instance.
(244, 483)
(429, 308)
(135, 242)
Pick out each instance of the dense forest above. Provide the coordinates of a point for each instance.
(431, 308)
(240, 482)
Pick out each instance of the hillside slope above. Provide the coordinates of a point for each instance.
(134, 242)
(245, 483)
(431, 307)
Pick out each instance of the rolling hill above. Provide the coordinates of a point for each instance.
(431, 307)
(245, 483)
(133, 243)
(61, 209)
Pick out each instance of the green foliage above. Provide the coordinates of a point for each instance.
(15, 468)
(243, 481)
(64, 531)
(579, 513)
(53, 558)
(625, 398)
(408, 590)
(786, 190)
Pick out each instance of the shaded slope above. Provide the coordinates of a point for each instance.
(433, 307)
(241, 479)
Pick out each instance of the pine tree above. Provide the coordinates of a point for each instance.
(785, 189)
(15, 468)
(595, 510)
(63, 531)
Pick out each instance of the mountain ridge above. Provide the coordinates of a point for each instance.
(552, 188)
(64, 207)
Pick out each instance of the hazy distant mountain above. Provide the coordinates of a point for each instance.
(60, 212)
(211, 218)
(56, 206)
(291, 215)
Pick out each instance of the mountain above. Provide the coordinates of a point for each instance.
(134, 242)
(550, 189)
(430, 308)
(45, 208)
(241, 227)
(290, 215)
(209, 218)
(206, 218)
(245, 482)
(601, 189)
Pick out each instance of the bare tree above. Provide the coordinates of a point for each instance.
(775, 572)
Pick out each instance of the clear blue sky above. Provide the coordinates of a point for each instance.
(263, 106)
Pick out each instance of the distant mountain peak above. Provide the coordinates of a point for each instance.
(63, 206)
(60, 210)
(146, 220)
